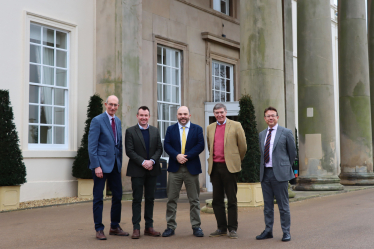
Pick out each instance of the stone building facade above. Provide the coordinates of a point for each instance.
(163, 54)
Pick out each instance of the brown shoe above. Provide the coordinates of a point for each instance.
(149, 231)
(118, 231)
(136, 234)
(100, 235)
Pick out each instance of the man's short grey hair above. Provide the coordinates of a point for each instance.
(219, 106)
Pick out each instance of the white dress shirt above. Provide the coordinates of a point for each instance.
(218, 123)
(273, 133)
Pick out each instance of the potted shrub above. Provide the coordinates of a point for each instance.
(80, 165)
(249, 186)
(12, 168)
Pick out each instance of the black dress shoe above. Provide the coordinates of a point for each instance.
(168, 232)
(286, 237)
(264, 235)
(198, 232)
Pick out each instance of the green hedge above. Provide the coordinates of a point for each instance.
(12, 168)
(80, 165)
(251, 163)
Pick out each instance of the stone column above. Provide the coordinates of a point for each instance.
(261, 56)
(288, 66)
(354, 95)
(370, 15)
(118, 60)
(317, 140)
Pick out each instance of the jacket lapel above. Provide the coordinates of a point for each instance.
(277, 136)
(178, 135)
(263, 135)
(227, 129)
(191, 130)
(140, 135)
(106, 121)
(117, 128)
(213, 132)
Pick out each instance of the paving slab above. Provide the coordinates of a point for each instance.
(336, 221)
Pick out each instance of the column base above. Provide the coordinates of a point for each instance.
(304, 183)
(361, 179)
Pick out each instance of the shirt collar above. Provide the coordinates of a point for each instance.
(142, 127)
(187, 125)
(274, 128)
(110, 117)
(223, 122)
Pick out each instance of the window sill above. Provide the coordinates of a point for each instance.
(28, 154)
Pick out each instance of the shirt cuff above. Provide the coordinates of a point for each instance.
(153, 161)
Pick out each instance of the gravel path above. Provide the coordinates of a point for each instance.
(51, 202)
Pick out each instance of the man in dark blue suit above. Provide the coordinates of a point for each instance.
(184, 142)
(105, 152)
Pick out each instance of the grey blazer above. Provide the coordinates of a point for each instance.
(283, 156)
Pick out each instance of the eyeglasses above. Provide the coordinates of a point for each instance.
(270, 116)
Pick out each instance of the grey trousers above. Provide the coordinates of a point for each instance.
(175, 181)
(270, 188)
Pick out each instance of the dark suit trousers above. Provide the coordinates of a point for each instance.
(148, 183)
(115, 185)
(270, 188)
(224, 182)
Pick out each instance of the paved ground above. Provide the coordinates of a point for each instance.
(336, 221)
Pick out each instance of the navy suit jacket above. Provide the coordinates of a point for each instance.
(194, 146)
(102, 148)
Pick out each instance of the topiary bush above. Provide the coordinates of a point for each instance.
(12, 168)
(80, 165)
(251, 163)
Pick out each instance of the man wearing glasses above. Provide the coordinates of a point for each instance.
(278, 153)
(105, 152)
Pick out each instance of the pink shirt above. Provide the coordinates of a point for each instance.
(219, 144)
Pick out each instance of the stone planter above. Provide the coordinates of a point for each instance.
(250, 195)
(9, 197)
(85, 188)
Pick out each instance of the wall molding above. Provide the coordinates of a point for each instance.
(221, 40)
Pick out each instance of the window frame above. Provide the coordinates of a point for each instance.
(216, 5)
(53, 87)
(184, 49)
(232, 83)
(160, 119)
(31, 150)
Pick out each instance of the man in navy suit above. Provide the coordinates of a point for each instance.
(105, 152)
(184, 141)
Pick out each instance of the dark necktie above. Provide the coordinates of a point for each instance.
(114, 129)
(267, 147)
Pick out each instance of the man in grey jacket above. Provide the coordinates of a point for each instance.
(278, 153)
